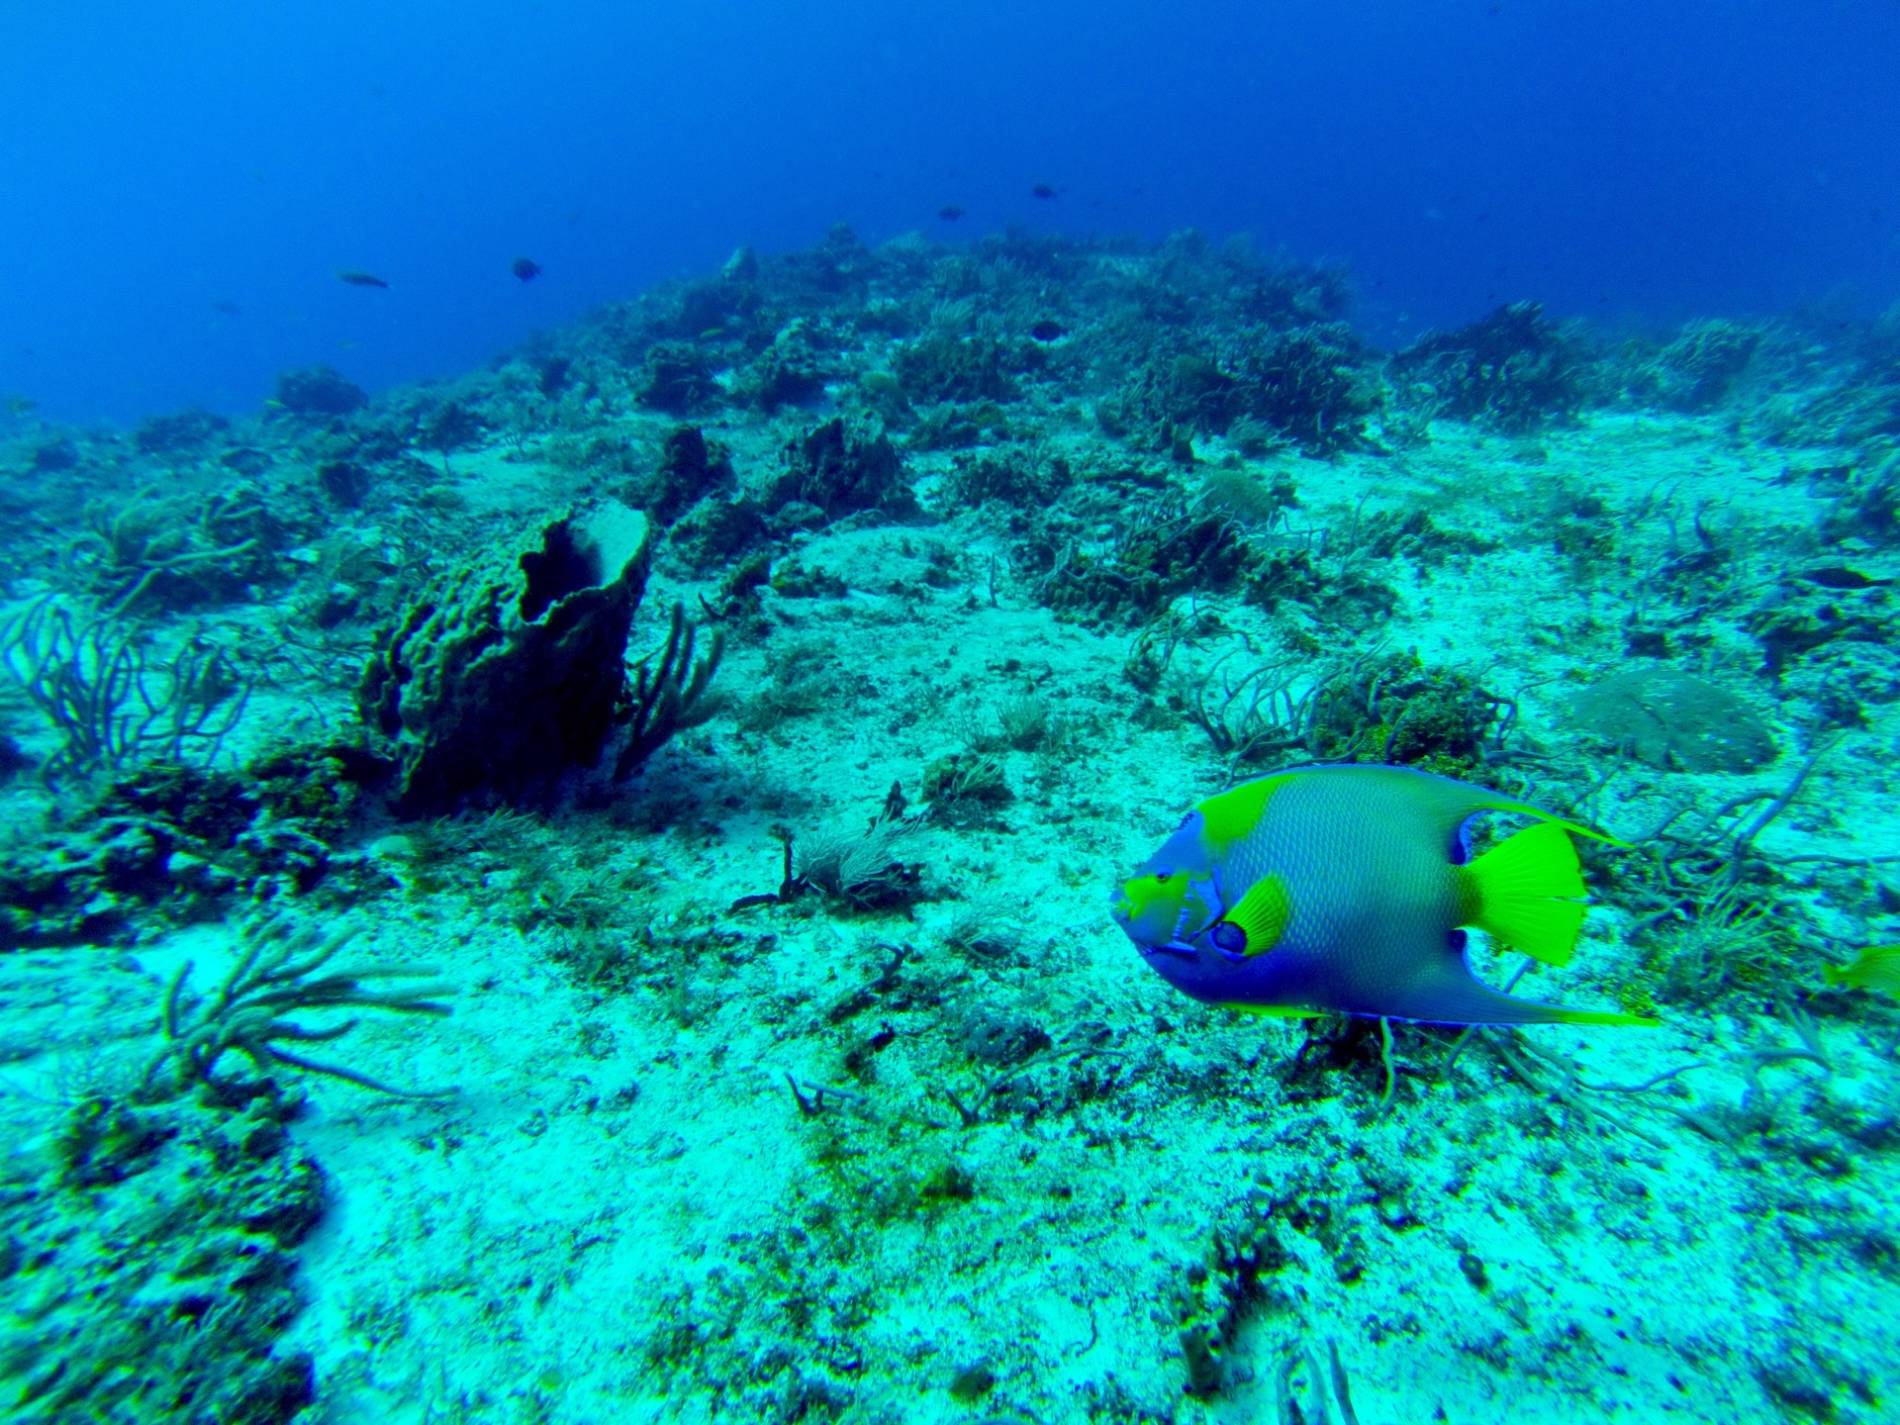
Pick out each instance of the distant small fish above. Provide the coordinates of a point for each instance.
(526, 269)
(950, 212)
(21, 405)
(360, 279)
(225, 308)
(1834, 576)
(1042, 190)
(1876, 968)
(1046, 330)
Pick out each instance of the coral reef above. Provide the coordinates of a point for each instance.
(184, 433)
(1160, 549)
(1308, 386)
(944, 365)
(678, 379)
(166, 844)
(789, 372)
(690, 469)
(1010, 550)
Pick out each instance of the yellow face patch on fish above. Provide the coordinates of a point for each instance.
(1162, 907)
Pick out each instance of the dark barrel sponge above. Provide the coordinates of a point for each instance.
(507, 672)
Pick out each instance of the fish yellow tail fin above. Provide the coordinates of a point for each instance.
(1527, 892)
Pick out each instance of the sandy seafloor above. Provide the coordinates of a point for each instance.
(623, 1214)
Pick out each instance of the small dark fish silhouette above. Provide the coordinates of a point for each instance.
(1046, 330)
(1835, 576)
(950, 212)
(225, 308)
(525, 268)
(1042, 190)
(361, 279)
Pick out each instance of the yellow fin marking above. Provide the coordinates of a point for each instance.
(1262, 914)
(1230, 815)
(1527, 891)
(1276, 1011)
(1605, 1016)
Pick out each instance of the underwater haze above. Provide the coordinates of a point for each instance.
(184, 181)
(988, 715)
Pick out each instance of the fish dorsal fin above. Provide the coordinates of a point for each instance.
(1228, 816)
(1448, 802)
(1262, 914)
(1575, 828)
(1443, 803)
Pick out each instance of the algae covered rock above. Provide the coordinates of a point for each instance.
(151, 1214)
(319, 391)
(839, 470)
(1512, 370)
(1673, 720)
(691, 468)
(509, 670)
(1695, 371)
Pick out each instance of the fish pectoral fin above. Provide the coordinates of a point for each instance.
(1527, 892)
(1262, 914)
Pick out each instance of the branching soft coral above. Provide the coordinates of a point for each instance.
(278, 976)
(667, 693)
